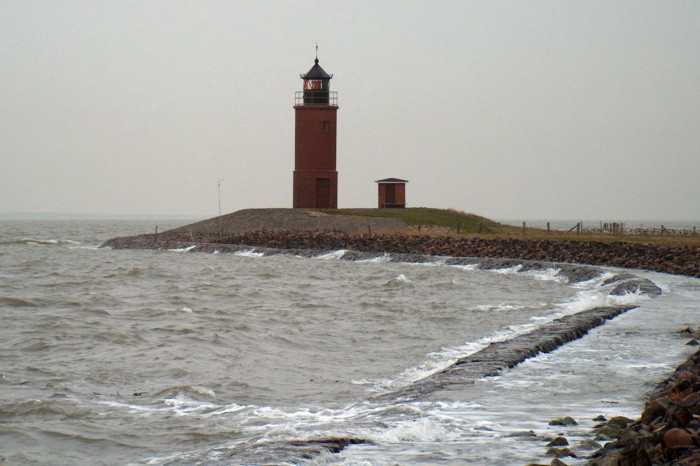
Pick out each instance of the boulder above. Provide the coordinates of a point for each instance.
(558, 442)
(564, 421)
(678, 438)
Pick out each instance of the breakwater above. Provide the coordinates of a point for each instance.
(502, 355)
(680, 260)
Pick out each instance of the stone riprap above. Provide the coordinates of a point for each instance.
(681, 260)
(668, 431)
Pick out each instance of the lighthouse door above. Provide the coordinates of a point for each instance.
(323, 193)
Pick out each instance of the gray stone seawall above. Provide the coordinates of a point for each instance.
(681, 260)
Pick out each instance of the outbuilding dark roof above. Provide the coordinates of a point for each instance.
(391, 180)
(316, 72)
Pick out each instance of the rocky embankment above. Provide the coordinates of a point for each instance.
(668, 431)
(681, 260)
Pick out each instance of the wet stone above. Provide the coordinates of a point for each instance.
(523, 434)
(620, 421)
(558, 442)
(560, 452)
(589, 444)
(564, 421)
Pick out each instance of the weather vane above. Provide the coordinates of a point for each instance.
(317, 50)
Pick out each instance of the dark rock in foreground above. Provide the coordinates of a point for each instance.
(668, 431)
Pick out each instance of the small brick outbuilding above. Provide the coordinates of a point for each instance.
(392, 193)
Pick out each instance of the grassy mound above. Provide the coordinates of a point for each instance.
(424, 216)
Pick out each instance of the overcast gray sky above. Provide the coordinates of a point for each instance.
(531, 109)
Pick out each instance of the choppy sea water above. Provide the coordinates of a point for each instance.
(169, 357)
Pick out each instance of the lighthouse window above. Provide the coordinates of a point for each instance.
(313, 84)
(326, 126)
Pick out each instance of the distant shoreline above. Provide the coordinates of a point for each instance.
(74, 216)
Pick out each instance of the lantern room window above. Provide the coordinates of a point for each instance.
(313, 85)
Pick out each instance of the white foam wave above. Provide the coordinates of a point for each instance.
(179, 405)
(500, 307)
(399, 280)
(417, 430)
(549, 274)
(508, 270)
(42, 242)
(332, 255)
(378, 260)
(595, 281)
(182, 405)
(362, 382)
(433, 262)
(628, 298)
(599, 296)
(249, 253)
(187, 249)
(131, 408)
(467, 267)
(93, 247)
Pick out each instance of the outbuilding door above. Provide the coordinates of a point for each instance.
(390, 194)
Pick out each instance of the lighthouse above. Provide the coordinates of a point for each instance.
(315, 117)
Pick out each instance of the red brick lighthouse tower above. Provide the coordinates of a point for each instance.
(315, 109)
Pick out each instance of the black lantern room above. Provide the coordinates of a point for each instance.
(316, 85)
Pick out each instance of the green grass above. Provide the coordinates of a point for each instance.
(424, 216)
(470, 224)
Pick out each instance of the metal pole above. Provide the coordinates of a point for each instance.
(221, 226)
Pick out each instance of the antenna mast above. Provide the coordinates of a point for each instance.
(221, 226)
